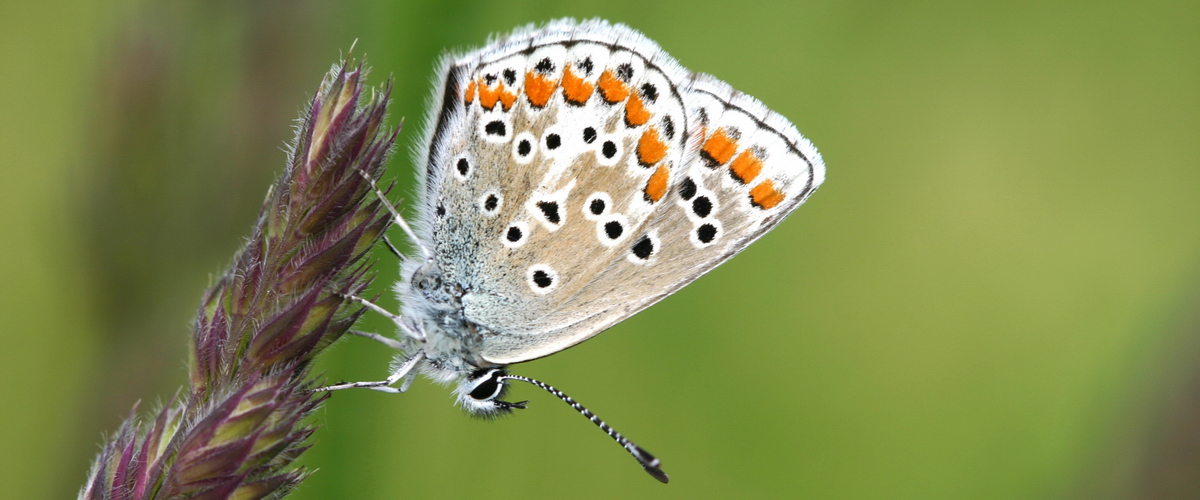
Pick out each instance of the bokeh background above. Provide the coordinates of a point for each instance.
(996, 294)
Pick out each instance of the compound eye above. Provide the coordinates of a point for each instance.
(489, 387)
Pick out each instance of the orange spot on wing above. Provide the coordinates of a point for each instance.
(651, 149)
(488, 97)
(612, 88)
(765, 195)
(718, 149)
(575, 89)
(539, 88)
(507, 99)
(635, 111)
(746, 167)
(470, 95)
(656, 188)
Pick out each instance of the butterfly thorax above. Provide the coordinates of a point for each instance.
(450, 351)
(434, 306)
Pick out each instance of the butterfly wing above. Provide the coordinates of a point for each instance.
(577, 174)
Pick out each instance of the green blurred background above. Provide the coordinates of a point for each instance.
(996, 295)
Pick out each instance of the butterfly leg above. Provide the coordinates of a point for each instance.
(404, 371)
(392, 248)
(396, 318)
(396, 214)
(393, 343)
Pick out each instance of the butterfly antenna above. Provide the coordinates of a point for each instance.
(644, 458)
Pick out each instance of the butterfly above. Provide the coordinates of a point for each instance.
(574, 174)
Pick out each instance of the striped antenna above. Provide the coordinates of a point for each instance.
(644, 458)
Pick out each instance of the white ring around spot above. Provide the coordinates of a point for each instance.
(534, 286)
(521, 226)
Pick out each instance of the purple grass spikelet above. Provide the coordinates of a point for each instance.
(237, 429)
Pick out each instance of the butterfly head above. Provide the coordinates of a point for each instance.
(480, 393)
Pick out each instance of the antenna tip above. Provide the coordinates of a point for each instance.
(657, 473)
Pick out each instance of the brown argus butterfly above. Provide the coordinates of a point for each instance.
(573, 175)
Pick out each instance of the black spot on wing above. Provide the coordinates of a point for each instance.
(625, 72)
(702, 206)
(650, 92)
(613, 229)
(609, 149)
(643, 248)
(496, 127)
(542, 279)
(550, 210)
(687, 189)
